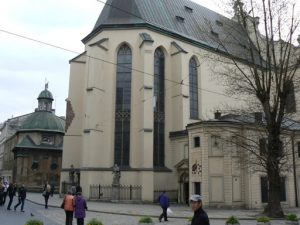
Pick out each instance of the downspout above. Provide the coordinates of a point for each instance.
(294, 169)
(189, 177)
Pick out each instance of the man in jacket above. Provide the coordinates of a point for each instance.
(11, 191)
(164, 203)
(22, 197)
(200, 216)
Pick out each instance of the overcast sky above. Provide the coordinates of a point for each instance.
(24, 65)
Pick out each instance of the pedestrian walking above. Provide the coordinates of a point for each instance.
(21, 197)
(200, 216)
(46, 193)
(164, 203)
(68, 206)
(80, 208)
(11, 191)
(73, 189)
(78, 188)
(1, 193)
(52, 190)
(5, 191)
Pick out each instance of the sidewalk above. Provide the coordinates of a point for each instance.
(152, 209)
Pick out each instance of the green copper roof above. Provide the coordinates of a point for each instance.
(27, 142)
(45, 94)
(43, 121)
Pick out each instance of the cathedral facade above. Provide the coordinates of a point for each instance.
(144, 76)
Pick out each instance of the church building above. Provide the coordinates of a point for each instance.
(134, 93)
(32, 146)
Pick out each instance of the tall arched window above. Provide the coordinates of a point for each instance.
(159, 110)
(193, 77)
(123, 103)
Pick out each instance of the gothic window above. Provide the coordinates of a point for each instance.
(193, 78)
(159, 109)
(123, 104)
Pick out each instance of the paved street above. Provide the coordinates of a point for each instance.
(19, 218)
(126, 214)
(55, 216)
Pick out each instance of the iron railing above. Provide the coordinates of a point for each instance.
(127, 192)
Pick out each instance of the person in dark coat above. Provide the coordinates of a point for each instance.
(52, 190)
(46, 193)
(164, 203)
(80, 207)
(22, 196)
(1, 193)
(5, 185)
(200, 216)
(11, 191)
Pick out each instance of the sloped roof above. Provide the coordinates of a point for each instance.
(27, 142)
(179, 18)
(248, 119)
(43, 121)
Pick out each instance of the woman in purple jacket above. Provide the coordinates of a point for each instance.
(80, 207)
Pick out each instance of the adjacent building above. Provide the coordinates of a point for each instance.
(32, 145)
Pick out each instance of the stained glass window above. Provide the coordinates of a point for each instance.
(123, 104)
(193, 78)
(159, 109)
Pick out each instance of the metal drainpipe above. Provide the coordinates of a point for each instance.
(294, 168)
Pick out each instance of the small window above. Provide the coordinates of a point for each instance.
(47, 139)
(290, 100)
(214, 33)
(197, 188)
(243, 46)
(53, 166)
(189, 9)
(196, 142)
(35, 166)
(298, 149)
(219, 23)
(262, 146)
(180, 19)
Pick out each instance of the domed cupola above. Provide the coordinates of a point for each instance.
(45, 100)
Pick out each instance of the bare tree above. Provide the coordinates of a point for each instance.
(260, 61)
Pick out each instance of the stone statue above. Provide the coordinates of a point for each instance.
(72, 174)
(117, 175)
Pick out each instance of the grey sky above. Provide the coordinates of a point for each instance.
(24, 65)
